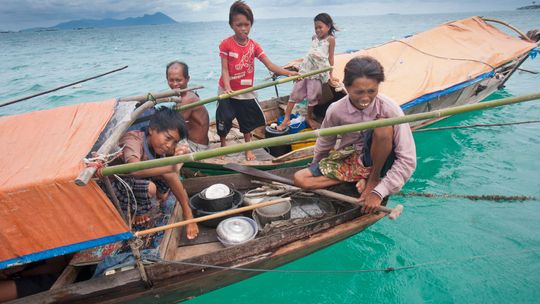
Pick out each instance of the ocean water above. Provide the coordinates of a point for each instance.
(466, 251)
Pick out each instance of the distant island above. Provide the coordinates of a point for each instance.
(530, 7)
(157, 18)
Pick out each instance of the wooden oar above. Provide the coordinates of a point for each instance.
(393, 213)
(212, 216)
(286, 139)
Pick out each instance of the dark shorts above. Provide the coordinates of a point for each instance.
(139, 187)
(248, 112)
(366, 158)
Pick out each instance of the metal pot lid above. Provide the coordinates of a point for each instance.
(217, 191)
(236, 229)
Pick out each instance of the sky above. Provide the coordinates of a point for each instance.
(21, 14)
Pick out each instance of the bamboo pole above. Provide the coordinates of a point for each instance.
(251, 89)
(211, 216)
(61, 87)
(276, 141)
(86, 174)
(158, 95)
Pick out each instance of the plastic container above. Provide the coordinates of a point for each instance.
(276, 151)
(294, 127)
(305, 143)
(196, 203)
(219, 201)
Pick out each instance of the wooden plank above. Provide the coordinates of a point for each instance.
(67, 277)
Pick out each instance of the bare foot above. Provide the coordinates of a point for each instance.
(192, 231)
(250, 155)
(361, 185)
(283, 125)
(313, 124)
(141, 219)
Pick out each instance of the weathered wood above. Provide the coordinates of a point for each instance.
(67, 277)
(210, 217)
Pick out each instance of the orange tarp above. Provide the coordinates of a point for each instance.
(40, 206)
(440, 58)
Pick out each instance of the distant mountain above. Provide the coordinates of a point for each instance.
(529, 7)
(157, 18)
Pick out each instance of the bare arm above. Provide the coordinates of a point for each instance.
(225, 75)
(331, 50)
(173, 180)
(276, 69)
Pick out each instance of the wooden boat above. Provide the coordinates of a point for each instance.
(182, 274)
(457, 63)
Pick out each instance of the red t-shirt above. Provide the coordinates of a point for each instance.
(240, 62)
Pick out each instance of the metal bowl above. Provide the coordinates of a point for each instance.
(236, 230)
(277, 212)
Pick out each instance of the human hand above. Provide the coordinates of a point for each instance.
(181, 149)
(334, 82)
(192, 231)
(292, 73)
(371, 202)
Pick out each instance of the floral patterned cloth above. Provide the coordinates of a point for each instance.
(344, 165)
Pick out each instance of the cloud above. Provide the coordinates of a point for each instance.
(19, 14)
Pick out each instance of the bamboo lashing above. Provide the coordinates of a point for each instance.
(211, 216)
(276, 141)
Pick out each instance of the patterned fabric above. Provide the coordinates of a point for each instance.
(344, 165)
(240, 60)
(317, 58)
(139, 187)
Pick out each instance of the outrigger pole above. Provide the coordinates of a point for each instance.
(251, 89)
(276, 141)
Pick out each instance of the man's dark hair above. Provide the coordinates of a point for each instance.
(167, 119)
(240, 8)
(326, 19)
(364, 66)
(185, 68)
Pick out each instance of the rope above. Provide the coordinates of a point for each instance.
(442, 57)
(478, 125)
(386, 269)
(483, 197)
(130, 194)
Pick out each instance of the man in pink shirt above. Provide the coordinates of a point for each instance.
(379, 160)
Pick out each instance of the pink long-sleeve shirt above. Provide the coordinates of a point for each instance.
(342, 112)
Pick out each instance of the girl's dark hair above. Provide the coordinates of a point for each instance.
(184, 66)
(168, 119)
(326, 19)
(364, 66)
(239, 7)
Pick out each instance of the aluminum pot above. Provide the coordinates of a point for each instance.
(196, 203)
(236, 230)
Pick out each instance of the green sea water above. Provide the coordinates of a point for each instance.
(465, 251)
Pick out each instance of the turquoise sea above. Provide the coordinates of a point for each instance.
(466, 251)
